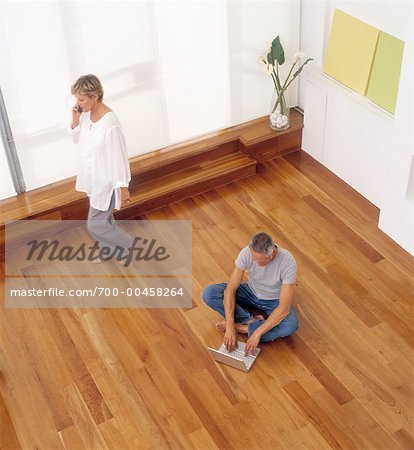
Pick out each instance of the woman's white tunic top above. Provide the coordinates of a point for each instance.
(103, 164)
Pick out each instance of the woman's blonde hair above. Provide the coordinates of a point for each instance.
(88, 85)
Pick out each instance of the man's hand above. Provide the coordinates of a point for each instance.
(230, 338)
(252, 343)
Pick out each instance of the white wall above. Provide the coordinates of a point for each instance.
(365, 146)
(171, 69)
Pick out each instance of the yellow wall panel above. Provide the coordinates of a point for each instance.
(351, 50)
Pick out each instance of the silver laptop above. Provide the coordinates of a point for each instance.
(235, 358)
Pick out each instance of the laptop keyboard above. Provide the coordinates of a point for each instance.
(248, 360)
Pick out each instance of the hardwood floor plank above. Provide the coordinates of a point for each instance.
(87, 388)
(128, 421)
(82, 418)
(333, 186)
(345, 232)
(8, 436)
(404, 439)
(394, 287)
(334, 349)
(338, 391)
(306, 438)
(353, 294)
(396, 413)
(104, 340)
(93, 399)
(322, 422)
(71, 438)
(355, 418)
(158, 377)
(209, 419)
(114, 437)
(202, 439)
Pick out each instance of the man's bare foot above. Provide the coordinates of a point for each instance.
(243, 328)
(221, 326)
(240, 327)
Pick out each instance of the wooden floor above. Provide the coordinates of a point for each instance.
(127, 379)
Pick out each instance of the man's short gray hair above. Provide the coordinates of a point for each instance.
(262, 243)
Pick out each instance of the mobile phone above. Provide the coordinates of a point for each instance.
(79, 108)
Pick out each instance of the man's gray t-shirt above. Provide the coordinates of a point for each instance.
(266, 281)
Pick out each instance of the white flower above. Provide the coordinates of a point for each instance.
(299, 55)
(261, 59)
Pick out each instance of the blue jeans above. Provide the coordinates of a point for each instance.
(213, 296)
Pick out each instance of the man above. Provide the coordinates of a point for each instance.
(272, 274)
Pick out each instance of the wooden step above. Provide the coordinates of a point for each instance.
(143, 170)
(44, 202)
(187, 183)
(264, 144)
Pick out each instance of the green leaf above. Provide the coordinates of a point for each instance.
(278, 53)
(301, 67)
(269, 57)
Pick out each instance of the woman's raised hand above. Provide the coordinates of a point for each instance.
(76, 112)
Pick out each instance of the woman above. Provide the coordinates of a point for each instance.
(104, 172)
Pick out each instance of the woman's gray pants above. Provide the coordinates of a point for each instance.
(103, 228)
